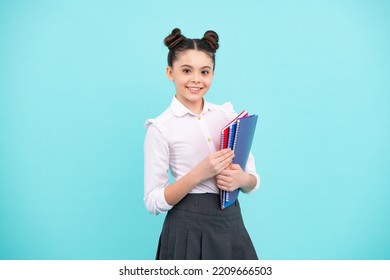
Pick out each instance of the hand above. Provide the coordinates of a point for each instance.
(233, 177)
(213, 164)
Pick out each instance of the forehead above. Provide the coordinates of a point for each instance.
(194, 58)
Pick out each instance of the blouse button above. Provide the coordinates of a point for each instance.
(209, 139)
(199, 118)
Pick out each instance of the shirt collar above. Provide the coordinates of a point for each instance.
(180, 110)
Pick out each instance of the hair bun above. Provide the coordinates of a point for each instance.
(212, 39)
(174, 38)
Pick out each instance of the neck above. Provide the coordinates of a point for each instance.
(194, 107)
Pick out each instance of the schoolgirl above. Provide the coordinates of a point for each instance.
(185, 139)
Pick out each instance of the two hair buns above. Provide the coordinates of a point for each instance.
(173, 39)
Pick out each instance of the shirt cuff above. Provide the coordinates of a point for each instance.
(155, 202)
(161, 203)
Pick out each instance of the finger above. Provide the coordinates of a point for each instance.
(221, 166)
(226, 179)
(223, 161)
(221, 184)
(224, 187)
(224, 153)
(221, 177)
(228, 160)
(235, 166)
(223, 173)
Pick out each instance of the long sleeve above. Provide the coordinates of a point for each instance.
(251, 169)
(156, 165)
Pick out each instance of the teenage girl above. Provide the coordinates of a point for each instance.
(185, 138)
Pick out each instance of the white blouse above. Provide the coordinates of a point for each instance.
(178, 140)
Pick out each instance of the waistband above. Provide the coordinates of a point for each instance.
(207, 203)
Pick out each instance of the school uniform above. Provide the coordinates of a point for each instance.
(194, 228)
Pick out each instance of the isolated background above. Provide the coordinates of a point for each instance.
(79, 78)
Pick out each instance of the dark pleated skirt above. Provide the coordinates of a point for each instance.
(197, 229)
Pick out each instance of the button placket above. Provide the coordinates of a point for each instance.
(206, 134)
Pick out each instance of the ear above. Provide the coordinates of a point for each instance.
(169, 73)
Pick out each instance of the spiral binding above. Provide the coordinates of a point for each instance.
(222, 140)
(236, 135)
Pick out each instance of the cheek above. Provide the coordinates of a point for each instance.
(208, 80)
(180, 82)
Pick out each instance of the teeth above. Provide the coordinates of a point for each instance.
(194, 89)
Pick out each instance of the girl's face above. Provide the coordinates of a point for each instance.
(192, 73)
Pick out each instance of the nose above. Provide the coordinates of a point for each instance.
(195, 78)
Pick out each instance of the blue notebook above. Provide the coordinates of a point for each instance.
(232, 134)
(242, 142)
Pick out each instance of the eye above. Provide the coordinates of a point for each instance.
(205, 72)
(186, 70)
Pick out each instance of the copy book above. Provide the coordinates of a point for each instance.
(242, 142)
(232, 134)
(226, 129)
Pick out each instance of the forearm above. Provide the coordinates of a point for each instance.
(208, 168)
(178, 190)
(249, 183)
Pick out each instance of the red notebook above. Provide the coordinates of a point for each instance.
(226, 129)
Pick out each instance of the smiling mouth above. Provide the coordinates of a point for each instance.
(194, 89)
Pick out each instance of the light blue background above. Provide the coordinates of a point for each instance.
(79, 78)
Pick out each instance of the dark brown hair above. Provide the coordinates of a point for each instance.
(177, 42)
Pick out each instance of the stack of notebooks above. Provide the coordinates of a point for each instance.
(238, 136)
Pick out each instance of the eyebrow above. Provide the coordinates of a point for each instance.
(189, 66)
